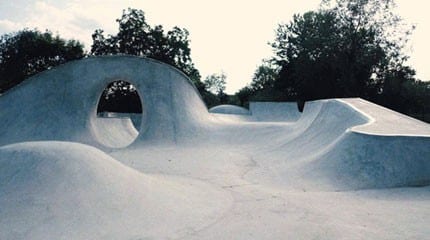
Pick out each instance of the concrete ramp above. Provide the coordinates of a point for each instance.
(389, 150)
(177, 171)
(274, 111)
(350, 144)
(114, 132)
(260, 112)
(64, 190)
(61, 103)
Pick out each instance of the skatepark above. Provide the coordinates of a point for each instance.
(341, 169)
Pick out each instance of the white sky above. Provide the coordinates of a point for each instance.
(226, 35)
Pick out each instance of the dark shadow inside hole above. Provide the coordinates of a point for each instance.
(119, 97)
(118, 100)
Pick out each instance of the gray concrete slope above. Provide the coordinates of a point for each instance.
(274, 111)
(115, 132)
(61, 103)
(335, 146)
(65, 190)
(389, 150)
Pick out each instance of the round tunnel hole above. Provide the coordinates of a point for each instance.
(119, 114)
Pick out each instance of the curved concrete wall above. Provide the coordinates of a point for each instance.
(61, 103)
(335, 145)
(274, 111)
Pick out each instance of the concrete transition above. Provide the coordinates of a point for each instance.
(61, 104)
(342, 169)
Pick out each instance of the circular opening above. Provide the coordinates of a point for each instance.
(119, 115)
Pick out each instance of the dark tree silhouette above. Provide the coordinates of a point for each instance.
(136, 37)
(215, 83)
(344, 51)
(349, 48)
(28, 52)
(120, 96)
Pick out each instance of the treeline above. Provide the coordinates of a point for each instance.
(27, 52)
(346, 48)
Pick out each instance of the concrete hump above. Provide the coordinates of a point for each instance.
(65, 190)
(350, 144)
(229, 109)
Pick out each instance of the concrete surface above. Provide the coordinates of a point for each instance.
(342, 169)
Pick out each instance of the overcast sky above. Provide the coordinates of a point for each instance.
(226, 35)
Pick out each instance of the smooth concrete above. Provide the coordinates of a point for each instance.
(342, 169)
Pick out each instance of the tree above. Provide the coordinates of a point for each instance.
(120, 96)
(403, 93)
(265, 76)
(136, 37)
(347, 48)
(263, 86)
(305, 50)
(244, 95)
(215, 83)
(27, 52)
(341, 51)
(214, 86)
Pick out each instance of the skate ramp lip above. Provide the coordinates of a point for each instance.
(376, 120)
(342, 145)
(385, 122)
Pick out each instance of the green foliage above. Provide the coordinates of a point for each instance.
(265, 76)
(213, 89)
(120, 96)
(347, 48)
(343, 51)
(136, 37)
(244, 95)
(28, 52)
(401, 92)
(263, 86)
(215, 83)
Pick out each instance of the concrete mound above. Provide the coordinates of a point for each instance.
(63, 190)
(229, 109)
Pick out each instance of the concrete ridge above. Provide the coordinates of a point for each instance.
(366, 128)
(105, 56)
